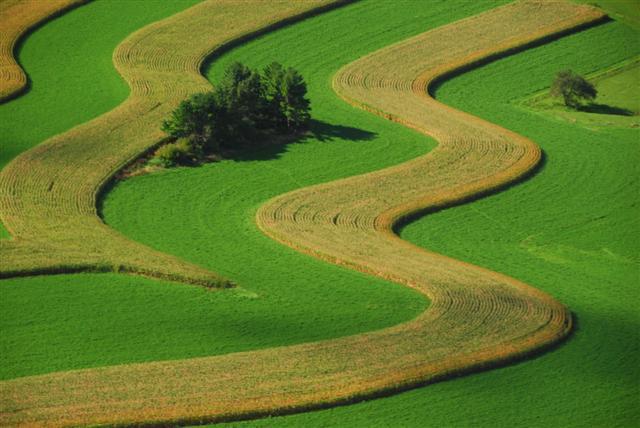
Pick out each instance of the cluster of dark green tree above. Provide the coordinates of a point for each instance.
(573, 88)
(246, 107)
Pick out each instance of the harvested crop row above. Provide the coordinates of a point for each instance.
(48, 195)
(477, 318)
(17, 17)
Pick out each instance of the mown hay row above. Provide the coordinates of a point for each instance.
(477, 318)
(48, 194)
(17, 17)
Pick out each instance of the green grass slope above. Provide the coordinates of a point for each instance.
(131, 319)
(621, 89)
(572, 230)
(72, 78)
(206, 215)
(617, 103)
(626, 11)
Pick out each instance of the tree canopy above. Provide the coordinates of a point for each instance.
(573, 88)
(245, 107)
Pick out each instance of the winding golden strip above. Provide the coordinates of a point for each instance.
(48, 194)
(477, 318)
(17, 17)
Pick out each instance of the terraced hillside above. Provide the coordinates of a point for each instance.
(173, 404)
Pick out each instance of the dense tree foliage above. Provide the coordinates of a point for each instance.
(573, 88)
(245, 107)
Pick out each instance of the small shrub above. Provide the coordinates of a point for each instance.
(184, 151)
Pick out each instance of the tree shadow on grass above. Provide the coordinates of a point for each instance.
(606, 109)
(321, 131)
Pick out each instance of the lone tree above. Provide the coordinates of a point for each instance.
(573, 88)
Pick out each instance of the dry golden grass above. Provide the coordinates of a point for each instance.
(477, 318)
(17, 17)
(48, 194)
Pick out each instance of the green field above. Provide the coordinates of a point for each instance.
(617, 103)
(621, 89)
(206, 216)
(569, 231)
(626, 11)
(72, 78)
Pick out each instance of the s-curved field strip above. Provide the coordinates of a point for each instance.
(48, 203)
(160, 320)
(568, 230)
(17, 18)
(336, 371)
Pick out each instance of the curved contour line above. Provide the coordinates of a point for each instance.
(477, 318)
(17, 18)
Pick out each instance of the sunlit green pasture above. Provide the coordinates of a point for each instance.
(571, 230)
(206, 216)
(617, 103)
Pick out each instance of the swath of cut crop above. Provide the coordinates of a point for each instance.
(17, 17)
(477, 318)
(48, 194)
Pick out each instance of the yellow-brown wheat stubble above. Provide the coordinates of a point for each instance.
(477, 318)
(16, 18)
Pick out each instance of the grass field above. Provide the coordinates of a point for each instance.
(617, 103)
(625, 11)
(216, 203)
(50, 205)
(567, 231)
(69, 49)
(156, 320)
(18, 18)
(291, 377)
(619, 90)
(325, 307)
(281, 316)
